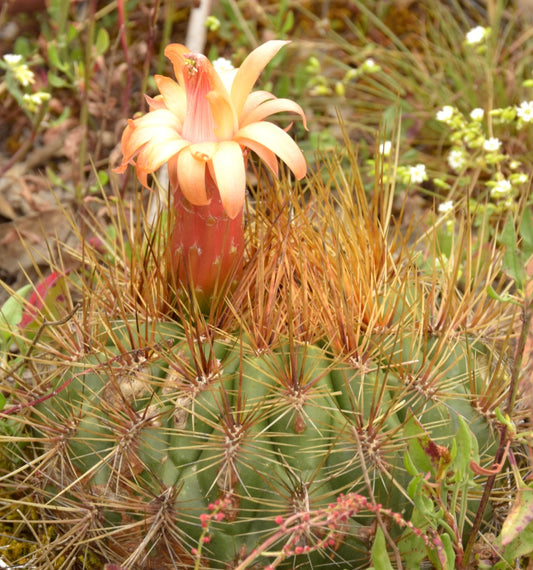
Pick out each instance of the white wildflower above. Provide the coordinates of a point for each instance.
(34, 100)
(525, 111)
(476, 35)
(222, 64)
(418, 173)
(501, 189)
(385, 148)
(477, 114)
(370, 66)
(12, 59)
(520, 178)
(446, 207)
(492, 145)
(457, 159)
(24, 75)
(445, 114)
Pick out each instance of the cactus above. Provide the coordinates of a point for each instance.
(307, 386)
(335, 409)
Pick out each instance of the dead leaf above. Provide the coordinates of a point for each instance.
(28, 240)
(6, 210)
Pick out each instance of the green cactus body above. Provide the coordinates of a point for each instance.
(275, 432)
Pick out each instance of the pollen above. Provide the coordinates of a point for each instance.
(191, 63)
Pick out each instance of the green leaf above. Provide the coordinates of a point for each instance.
(418, 440)
(289, 23)
(103, 177)
(466, 451)
(72, 32)
(412, 547)
(380, 556)
(526, 232)
(493, 294)
(424, 505)
(53, 56)
(512, 260)
(102, 41)
(56, 81)
(11, 313)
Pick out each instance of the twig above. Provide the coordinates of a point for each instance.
(124, 42)
(196, 30)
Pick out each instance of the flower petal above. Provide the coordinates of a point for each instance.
(220, 102)
(155, 102)
(249, 71)
(256, 98)
(191, 178)
(223, 115)
(173, 171)
(230, 176)
(158, 151)
(270, 107)
(175, 53)
(142, 175)
(204, 150)
(276, 140)
(157, 118)
(173, 95)
(142, 130)
(265, 154)
(200, 79)
(252, 101)
(227, 77)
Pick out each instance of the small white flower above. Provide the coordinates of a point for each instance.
(12, 59)
(445, 114)
(525, 111)
(520, 178)
(222, 64)
(35, 100)
(456, 159)
(24, 75)
(477, 114)
(418, 173)
(385, 148)
(476, 35)
(370, 66)
(446, 207)
(492, 145)
(501, 189)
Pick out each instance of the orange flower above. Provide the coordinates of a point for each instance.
(207, 120)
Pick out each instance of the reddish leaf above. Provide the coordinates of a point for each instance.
(49, 289)
(520, 515)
